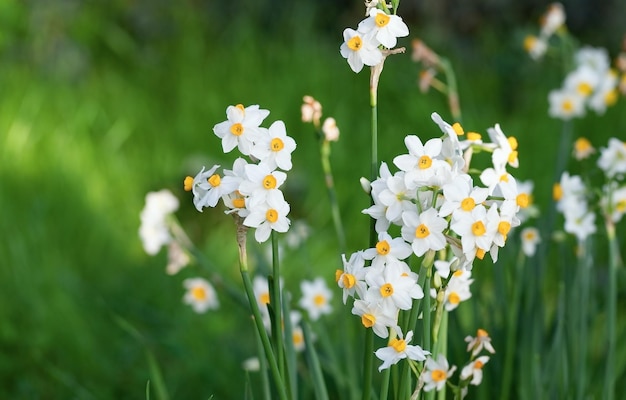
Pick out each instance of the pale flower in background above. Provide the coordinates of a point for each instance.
(552, 20)
(535, 46)
(311, 110)
(583, 148)
(251, 364)
(436, 373)
(613, 158)
(316, 297)
(530, 240)
(177, 258)
(617, 207)
(200, 295)
(330, 130)
(480, 342)
(154, 231)
(565, 104)
(475, 370)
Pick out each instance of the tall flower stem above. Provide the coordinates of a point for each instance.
(452, 90)
(614, 257)
(256, 313)
(585, 262)
(511, 331)
(276, 306)
(332, 195)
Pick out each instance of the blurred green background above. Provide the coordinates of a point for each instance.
(103, 101)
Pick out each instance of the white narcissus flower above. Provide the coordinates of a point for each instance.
(393, 286)
(315, 298)
(617, 207)
(461, 196)
(200, 295)
(154, 231)
(422, 163)
(330, 129)
(552, 20)
(472, 227)
(387, 249)
(475, 370)
(386, 28)
(261, 180)
(396, 197)
(436, 373)
(208, 187)
(375, 315)
(612, 159)
(360, 50)
(535, 46)
(583, 81)
(565, 104)
(241, 129)
(352, 278)
(267, 215)
(274, 147)
(530, 240)
(506, 148)
(480, 342)
(424, 231)
(398, 349)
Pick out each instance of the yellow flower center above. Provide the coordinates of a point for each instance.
(478, 228)
(454, 298)
(264, 298)
(512, 157)
(368, 320)
(468, 204)
(481, 333)
(215, 180)
(276, 144)
(438, 375)
(473, 136)
(239, 202)
(458, 273)
(355, 43)
(198, 293)
(582, 145)
(610, 97)
(398, 344)
(621, 206)
(271, 215)
(584, 89)
(338, 274)
(241, 107)
(236, 129)
(319, 300)
(504, 178)
(523, 200)
(530, 235)
(421, 231)
(478, 364)
(386, 290)
(269, 182)
(348, 281)
(458, 129)
(383, 248)
(188, 183)
(480, 253)
(512, 142)
(424, 162)
(567, 105)
(529, 42)
(298, 338)
(381, 19)
(504, 227)
(557, 191)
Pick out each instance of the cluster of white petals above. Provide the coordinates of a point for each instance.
(250, 189)
(154, 230)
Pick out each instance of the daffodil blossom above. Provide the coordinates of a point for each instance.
(482, 341)
(387, 249)
(530, 239)
(436, 373)
(422, 162)
(612, 159)
(261, 180)
(474, 370)
(274, 148)
(315, 298)
(424, 231)
(399, 349)
(386, 28)
(391, 285)
(376, 316)
(241, 129)
(461, 196)
(396, 197)
(267, 214)
(360, 50)
(352, 278)
(200, 295)
(154, 231)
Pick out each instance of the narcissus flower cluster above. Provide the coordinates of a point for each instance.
(251, 189)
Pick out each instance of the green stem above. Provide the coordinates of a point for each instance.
(609, 372)
(511, 331)
(256, 313)
(453, 92)
(584, 267)
(276, 305)
(332, 195)
(368, 361)
(443, 347)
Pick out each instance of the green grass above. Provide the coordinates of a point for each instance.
(84, 310)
